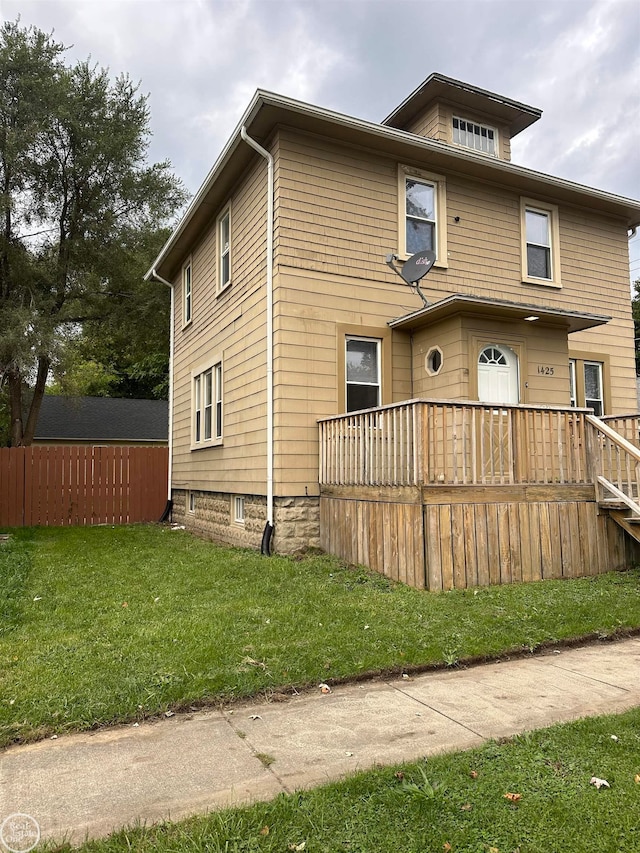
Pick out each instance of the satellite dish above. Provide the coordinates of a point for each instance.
(417, 266)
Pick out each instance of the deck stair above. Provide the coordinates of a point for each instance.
(619, 491)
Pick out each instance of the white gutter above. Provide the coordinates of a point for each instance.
(155, 275)
(264, 153)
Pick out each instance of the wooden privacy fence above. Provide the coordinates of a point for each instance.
(431, 442)
(82, 485)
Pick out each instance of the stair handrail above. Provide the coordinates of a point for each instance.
(615, 437)
(620, 495)
(625, 446)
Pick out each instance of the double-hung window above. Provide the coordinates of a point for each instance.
(422, 214)
(362, 360)
(187, 296)
(207, 405)
(540, 243)
(420, 197)
(224, 250)
(593, 397)
(586, 384)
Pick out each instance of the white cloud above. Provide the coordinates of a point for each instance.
(201, 60)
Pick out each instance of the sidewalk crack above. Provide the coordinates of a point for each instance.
(436, 711)
(590, 677)
(256, 754)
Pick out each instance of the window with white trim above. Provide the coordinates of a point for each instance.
(192, 501)
(224, 250)
(238, 509)
(573, 396)
(540, 243)
(187, 296)
(422, 213)
(207, 405)
(586, 384)
(480, 137)
(420, 200)
(593, 398)
(362, 361)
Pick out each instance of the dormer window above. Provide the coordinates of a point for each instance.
(480, 137)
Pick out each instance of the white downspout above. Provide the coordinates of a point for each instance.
(155, 275)
(270, 192)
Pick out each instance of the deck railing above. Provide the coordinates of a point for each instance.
(436, 442)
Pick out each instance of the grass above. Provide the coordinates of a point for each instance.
(450, 802)
(104, 625)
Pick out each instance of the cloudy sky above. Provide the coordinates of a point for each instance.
(201, 60)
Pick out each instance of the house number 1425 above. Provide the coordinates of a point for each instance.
(545, 371)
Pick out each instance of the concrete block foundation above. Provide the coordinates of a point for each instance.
(212, 515)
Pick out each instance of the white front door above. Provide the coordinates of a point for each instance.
(498, 375)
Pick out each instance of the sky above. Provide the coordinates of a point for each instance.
(200, 61)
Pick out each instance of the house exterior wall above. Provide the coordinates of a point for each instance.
(543, 359)
(315, 312)
(337, 215)
(231, 324)
(338, 219)
(431, 123)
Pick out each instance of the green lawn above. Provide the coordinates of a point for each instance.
(100, 625)
(451, 803)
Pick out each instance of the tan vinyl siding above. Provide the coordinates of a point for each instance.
(450, 382)
(461, 340)
(431, 123)
(339, 208)
(310, 309)
(232, 323)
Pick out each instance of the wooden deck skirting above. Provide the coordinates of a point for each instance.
(477, 515)
(443, 539)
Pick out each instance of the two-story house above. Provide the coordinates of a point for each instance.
(285, 313)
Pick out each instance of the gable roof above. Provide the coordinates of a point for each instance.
(268, 110)
(102, 419)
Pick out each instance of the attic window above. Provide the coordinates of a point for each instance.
(476, 136)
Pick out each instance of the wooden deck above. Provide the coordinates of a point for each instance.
(442, 494)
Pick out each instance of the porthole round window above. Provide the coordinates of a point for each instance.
(433, 361)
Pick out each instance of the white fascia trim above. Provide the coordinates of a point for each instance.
(265, 98)
(208, 182)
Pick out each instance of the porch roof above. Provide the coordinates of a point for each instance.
(457, 303)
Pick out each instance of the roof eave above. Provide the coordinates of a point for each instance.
(517, 114)
(283, 107)
(214, 172)
(573, 321)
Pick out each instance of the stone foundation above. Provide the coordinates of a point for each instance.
(296, 520)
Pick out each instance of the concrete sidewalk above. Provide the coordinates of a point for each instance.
(91, 784)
